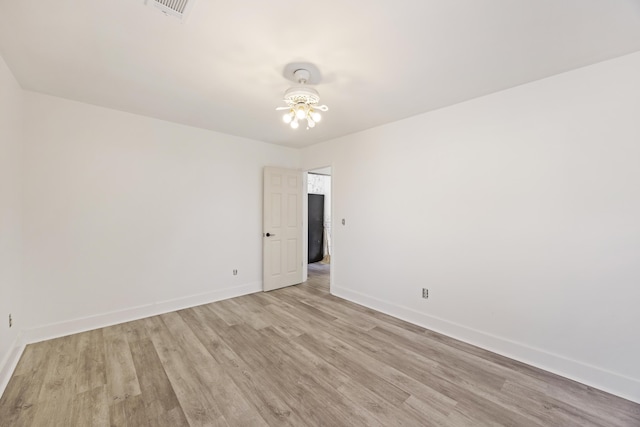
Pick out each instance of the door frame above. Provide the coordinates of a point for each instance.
(305, 223)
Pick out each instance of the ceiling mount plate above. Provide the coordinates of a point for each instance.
(290, 69)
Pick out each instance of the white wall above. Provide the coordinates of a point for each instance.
(11, 301)
(125, 215)
(520, 211)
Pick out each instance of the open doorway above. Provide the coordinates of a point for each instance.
(319, 228)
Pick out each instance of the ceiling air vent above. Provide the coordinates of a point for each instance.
(176, 8)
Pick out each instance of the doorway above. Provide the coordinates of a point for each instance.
(316, 238)
(319, 242)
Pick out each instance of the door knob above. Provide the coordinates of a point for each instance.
(270, 234)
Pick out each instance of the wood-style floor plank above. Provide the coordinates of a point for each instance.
(90, 408)
(297, 356)
(257, 389)
(160, 400)
(90, 371)
(122, 380)
(190, 388)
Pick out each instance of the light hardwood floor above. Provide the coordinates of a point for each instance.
(296, 356)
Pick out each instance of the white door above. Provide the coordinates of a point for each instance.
(282, 228)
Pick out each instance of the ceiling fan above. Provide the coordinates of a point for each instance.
(302, 101)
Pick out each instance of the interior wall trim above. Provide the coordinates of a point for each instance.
(611, 382)
(60, 329)
(10, 362)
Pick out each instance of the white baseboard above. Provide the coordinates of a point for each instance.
(60, 329)
(10, 361)
(611, 382)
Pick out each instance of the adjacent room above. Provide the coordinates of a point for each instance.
(249, 213)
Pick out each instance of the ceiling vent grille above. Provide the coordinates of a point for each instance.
(176, 8)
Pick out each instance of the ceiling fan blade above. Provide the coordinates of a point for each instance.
(283, 108)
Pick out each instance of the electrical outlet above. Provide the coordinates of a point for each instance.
(235, 272)
(425, 293)
(10, 320)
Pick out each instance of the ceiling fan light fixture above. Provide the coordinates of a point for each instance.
(302, 101)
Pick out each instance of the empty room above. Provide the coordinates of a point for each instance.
(340, 213)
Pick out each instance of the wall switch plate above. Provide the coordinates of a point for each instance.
(425, 293)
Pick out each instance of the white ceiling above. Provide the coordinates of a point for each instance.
(381, 60)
